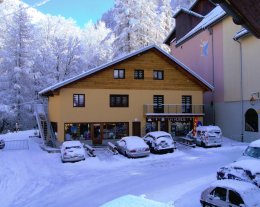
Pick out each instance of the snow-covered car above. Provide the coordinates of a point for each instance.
(252, 151)
(2, 143)
(159, 141)
(72, 151)
(132, 146)
(208, 136)
(230, 193)
(243, 170)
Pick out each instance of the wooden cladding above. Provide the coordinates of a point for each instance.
(175, 77)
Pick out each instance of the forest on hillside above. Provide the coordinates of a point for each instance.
(38, 50)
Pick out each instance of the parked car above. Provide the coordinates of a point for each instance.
(243, 170)
(2, 144)
(159, 141)
(230, 193)
(252, 151)
(132, 146)
(72, 151)
(207, 136)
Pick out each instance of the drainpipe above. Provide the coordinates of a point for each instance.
(241, 89)
(213, 74)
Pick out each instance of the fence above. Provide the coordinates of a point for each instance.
(16, 145)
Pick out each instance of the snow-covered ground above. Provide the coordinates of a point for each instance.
(34, 178)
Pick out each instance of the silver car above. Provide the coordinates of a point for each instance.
(230, 193)
(132, 146)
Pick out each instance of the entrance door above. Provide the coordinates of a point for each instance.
(136, 128)
(96, 133)
(158, 101)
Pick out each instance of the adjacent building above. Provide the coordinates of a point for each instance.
(146, 90)
(226, 55)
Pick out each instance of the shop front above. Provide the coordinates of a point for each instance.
(177, 125)
(96, 133)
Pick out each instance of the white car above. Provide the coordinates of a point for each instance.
(252, 151)
(72, 151)
(159, 141)
(208, 136)
(231, 193)
(244, 170)
(132, 146)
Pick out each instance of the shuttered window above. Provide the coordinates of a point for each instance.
(78, 100)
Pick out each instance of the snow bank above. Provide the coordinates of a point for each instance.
(134, 201)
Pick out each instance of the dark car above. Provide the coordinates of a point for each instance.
(243, 170)
(2, 144)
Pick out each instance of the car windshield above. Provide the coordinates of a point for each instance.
(252, 152)
(73, 147)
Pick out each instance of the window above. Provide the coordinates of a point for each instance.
(220, 193)
(119, 74)
(158, 101)
(235, 198)
(118, 100)
(139, 74)
(78, 100)
(186, 104)
(251, 121)
(158, 75)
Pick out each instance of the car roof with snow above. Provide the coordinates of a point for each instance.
(208, 128)
(133, 201)
(249, 192)
(134, 141)
(255, 144)
(252, 165)
(71, 143)
(159, 134)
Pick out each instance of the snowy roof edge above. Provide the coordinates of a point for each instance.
(242, 33)
(103, 66)
(188, 11)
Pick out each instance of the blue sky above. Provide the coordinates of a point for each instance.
(80, 10)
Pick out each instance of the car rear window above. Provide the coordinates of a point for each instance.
(165, 136)
(71, 147)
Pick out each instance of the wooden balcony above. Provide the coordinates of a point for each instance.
(173, 110)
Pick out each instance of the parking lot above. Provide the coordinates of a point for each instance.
(36, 178)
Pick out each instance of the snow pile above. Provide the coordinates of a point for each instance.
(134, 201)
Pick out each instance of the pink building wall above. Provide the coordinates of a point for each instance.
(194, 54)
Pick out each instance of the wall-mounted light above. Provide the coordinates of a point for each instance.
(149, 119)
(254, 97)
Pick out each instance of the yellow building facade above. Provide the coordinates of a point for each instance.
(147, 90)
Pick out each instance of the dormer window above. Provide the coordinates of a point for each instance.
(119, 73)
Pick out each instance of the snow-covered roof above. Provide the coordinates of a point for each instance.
(212, 17)
(159, 133)
(249, 192)
(104, 66)
(134, 142)
(255, 144)
(133, 201)
(242, 33)
(71, 143)
(252, 165)
(208, 128)
(182, 9)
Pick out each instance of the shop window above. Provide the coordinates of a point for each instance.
(158, 74)
(251, 121)
(119, 101)
(77, 131)
(139, 74)
(78, 100)
(119, 74)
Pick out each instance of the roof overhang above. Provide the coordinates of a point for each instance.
(244, 12)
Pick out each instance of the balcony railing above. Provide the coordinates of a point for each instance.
(173, 109)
